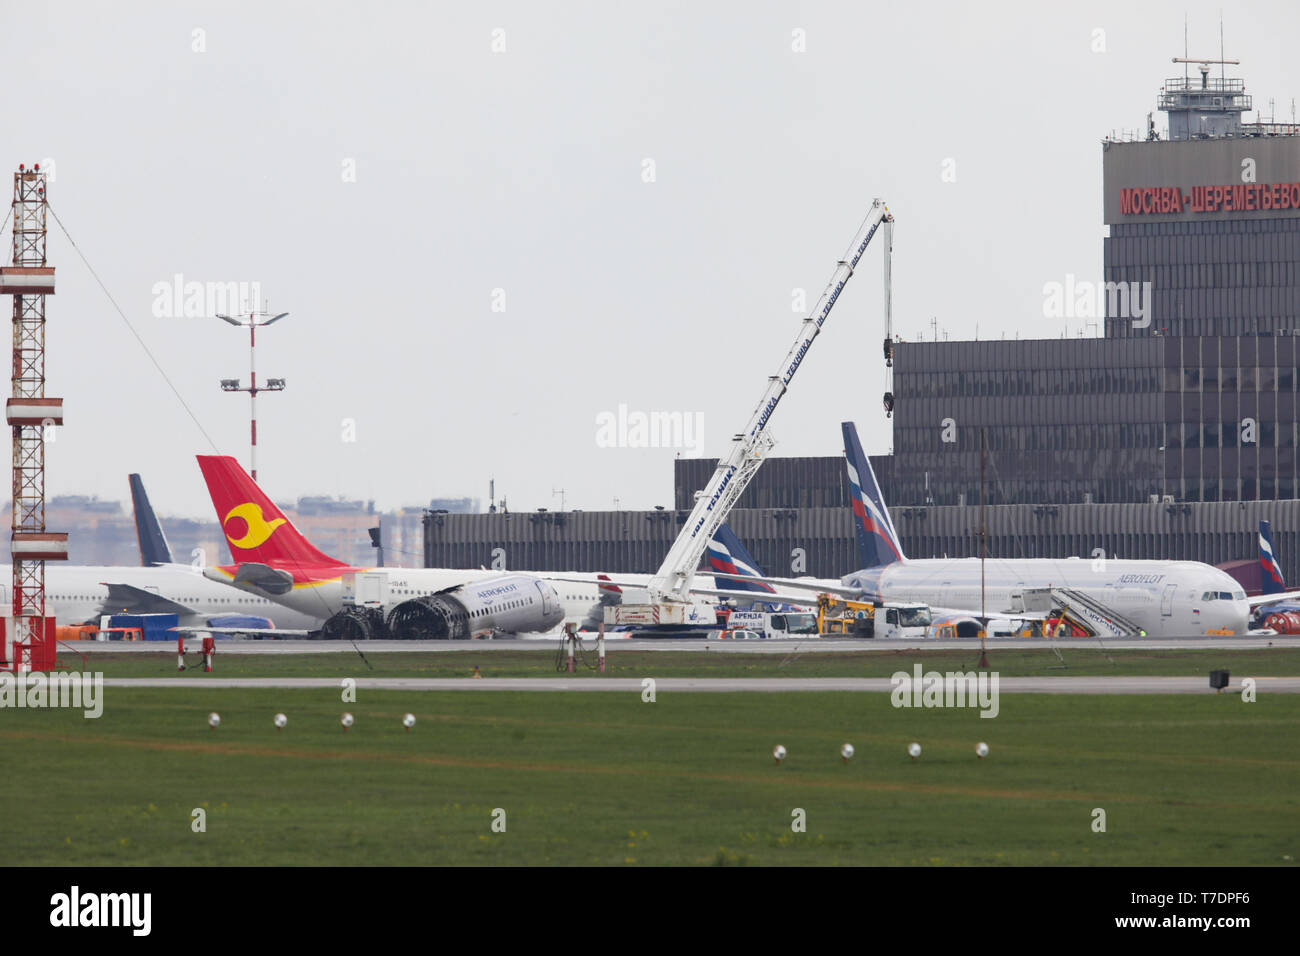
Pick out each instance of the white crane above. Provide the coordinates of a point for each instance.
(671, 584)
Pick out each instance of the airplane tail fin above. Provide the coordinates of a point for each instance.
(728, 556)
(878, 543)
(1270, 572)
(154, 549)
(256, 530)
(610, 593)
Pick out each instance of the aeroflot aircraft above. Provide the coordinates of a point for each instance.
(1162, 598)
(1276, 599)
(273, 560)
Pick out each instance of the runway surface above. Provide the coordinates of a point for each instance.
(690, 685)
(782, 646)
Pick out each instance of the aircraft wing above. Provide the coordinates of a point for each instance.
(819, 585)
(941, 612)
(603, 582)
(760, 598)
(260, 631)
(134, 600)
(1260, 599)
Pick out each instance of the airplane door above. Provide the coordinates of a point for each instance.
(547, 603)
(1167, 602)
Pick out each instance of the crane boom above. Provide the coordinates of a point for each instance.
(749, 448)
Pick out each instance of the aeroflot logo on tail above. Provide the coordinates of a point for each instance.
(257, 528)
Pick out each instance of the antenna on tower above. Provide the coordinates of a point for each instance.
(1223, 73)
(1186, 55)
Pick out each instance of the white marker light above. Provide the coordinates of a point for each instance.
(213, 719)
(981, 750)
(346, 721)
(280, 721)
(846, 752)
(779, 753)
(914, 750)
(408, 721)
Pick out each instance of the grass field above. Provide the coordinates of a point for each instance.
(801, 662)
(688, 779)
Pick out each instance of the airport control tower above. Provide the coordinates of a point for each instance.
(1209, 215)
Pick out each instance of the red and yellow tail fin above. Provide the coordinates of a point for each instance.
(255, 529)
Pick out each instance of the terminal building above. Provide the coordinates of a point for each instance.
(1168, 437)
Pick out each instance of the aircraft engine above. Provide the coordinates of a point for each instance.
(431, 616)
(352, 624)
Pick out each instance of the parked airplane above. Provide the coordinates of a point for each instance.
(1155, 598)
(274, 561)
(1274, 610)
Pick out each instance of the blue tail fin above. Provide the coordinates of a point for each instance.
(148, 532)
(878, 543)
(1270, 572)
(728, 556)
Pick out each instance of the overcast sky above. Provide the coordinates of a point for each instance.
(474, 260)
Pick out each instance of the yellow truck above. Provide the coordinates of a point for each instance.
(836, 615)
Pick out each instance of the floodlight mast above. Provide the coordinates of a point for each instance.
(272, 384)
(672, 582)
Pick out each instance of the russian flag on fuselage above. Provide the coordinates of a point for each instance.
(877, 540)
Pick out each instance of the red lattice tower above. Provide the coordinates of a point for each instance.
(29, 635)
